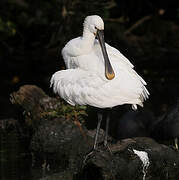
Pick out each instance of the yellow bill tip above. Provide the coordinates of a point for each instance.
(110, 76)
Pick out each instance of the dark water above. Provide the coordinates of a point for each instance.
(15, 161)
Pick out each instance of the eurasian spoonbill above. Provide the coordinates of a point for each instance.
(91, 78)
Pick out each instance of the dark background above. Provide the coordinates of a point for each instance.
(32, 34)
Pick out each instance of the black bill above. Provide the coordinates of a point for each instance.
(109, 72)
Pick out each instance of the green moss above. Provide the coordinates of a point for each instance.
(67, 112)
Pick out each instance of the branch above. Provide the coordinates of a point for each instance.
(139, 22)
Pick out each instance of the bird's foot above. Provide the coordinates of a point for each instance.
(89, 154)
(104, 147)
(107, 147)
(93, 151)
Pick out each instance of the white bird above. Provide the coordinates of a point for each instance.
(91, 78)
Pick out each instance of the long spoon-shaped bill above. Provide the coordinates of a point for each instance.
(109, 72)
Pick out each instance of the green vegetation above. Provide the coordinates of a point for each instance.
(68, 112)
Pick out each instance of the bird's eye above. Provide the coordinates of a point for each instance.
(95, 27)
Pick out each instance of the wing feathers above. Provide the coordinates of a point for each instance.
(81, 87)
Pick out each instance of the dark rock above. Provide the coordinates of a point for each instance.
(65, 142)
(123, 163)
(62, 140)
(66, 175)
(34, 102)
(8, 124)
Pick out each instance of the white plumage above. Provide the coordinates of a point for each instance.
(84, 81)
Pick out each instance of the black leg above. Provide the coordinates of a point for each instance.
(96, 137)
(100, 117)
(107, 127)
(97, 129)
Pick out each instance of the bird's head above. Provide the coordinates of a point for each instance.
(95, 25)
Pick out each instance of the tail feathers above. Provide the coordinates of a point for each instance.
(134, 107)
(145, 93)
(144, 96)
(54, 83)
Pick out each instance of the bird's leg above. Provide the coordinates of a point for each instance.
(97, 130)
(96, 137)
(176, 143)
(107, 128)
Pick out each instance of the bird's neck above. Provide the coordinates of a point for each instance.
(88, 38)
